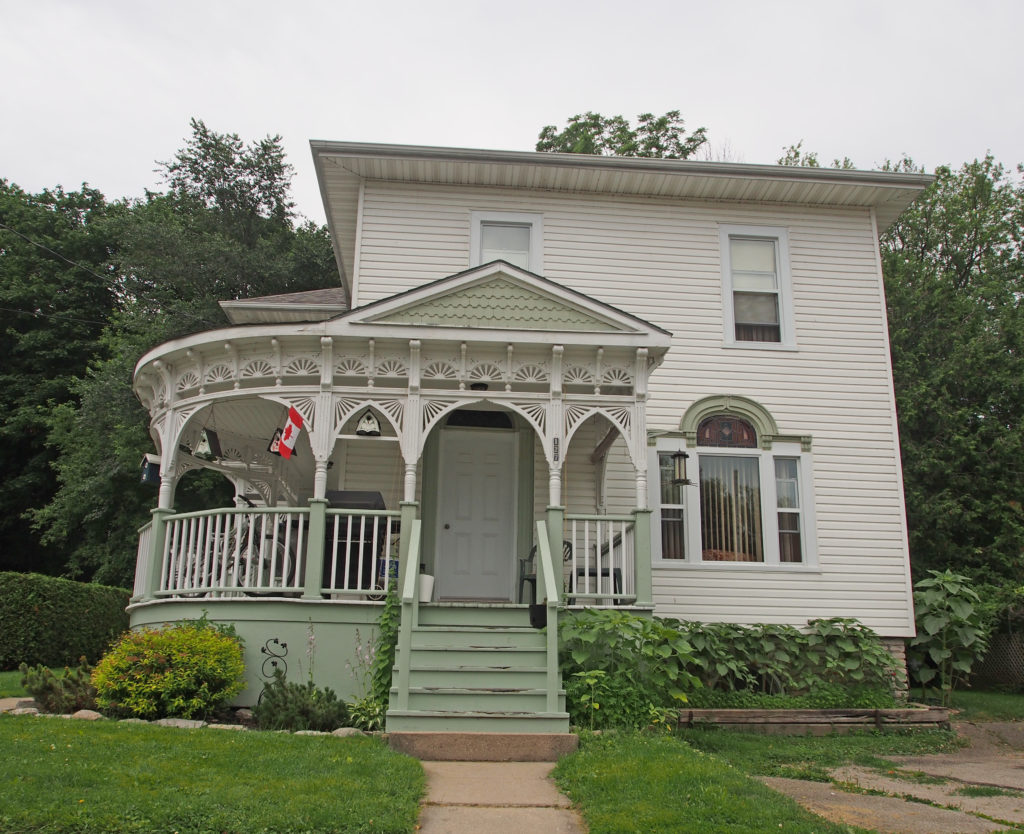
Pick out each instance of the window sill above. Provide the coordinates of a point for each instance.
(760, 346)
(680, 564)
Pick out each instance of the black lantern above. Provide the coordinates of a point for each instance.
(368, 425)
(679, 469)
(150, 470)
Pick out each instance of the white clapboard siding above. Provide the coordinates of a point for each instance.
(659, 259)
(374, 465)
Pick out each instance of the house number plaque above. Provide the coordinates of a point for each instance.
(554, 447)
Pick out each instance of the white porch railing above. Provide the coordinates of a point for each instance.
(142, 559)
(601, 568)
(227, 552)
(360, 552)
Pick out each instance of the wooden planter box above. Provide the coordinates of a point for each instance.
(817, 722)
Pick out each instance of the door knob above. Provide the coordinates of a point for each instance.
(447, 527)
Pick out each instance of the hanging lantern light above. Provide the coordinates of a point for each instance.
(679, 468)
(368, 425)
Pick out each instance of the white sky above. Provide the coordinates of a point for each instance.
(97, 90)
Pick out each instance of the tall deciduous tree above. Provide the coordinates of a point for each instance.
(54, 300)
(954, 274)
(654, 136)
(223, 230)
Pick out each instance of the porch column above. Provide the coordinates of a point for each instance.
(158, 532)
(642, 556)
(409, 509)
(316, 532)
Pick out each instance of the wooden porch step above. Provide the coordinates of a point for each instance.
(479, 699)
(501, 676)
(484, 746)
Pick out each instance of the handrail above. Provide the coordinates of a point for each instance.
(546, 565)
(597, 517)
(551, 590)
(237, 511)
(410, 616)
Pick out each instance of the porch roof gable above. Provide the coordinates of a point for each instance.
(499, 296)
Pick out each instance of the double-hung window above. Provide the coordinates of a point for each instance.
(514, 237)
(745, 503)
(756, 286)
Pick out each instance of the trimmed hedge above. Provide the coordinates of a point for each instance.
(55, 622)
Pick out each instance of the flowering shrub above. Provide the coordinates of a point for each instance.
(186, 670)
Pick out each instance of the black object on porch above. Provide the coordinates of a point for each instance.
(355, 539)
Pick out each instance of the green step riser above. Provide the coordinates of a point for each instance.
(481, 702)
(465, 678)
(475, 616)
(465, 640)
(467, 724)
(447, 656)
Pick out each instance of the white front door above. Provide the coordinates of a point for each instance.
(476, 520)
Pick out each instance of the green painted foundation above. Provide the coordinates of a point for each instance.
(314, 638)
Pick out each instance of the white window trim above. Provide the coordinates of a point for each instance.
(769, 506)
(523, 218)
(781, 237)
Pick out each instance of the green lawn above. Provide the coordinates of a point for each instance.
(10, 685)
(74, 776)
(988, 706)
(812, 757)
(643, 783)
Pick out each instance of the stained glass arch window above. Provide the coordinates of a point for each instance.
(726, 431)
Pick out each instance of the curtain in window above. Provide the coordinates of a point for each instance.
(730, 508)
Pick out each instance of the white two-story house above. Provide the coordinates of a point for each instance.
(546, 380)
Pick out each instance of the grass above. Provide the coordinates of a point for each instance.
(985, 790)
(988, 706)
(10, 685)
(813, 757)
(644, 783)
(75, 776)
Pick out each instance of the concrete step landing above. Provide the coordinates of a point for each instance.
(483, 747)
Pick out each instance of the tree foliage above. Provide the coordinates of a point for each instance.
(654, 136)
(796, 156)
(155, 270)
(954, 276)
(55, 297)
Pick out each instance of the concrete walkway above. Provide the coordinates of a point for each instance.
(495, 797)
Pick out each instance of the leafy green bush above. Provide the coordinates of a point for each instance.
(296, 706)
(950, 635)
(70, 692)
(824, 696)
(53, 622)
(619, 669)
(186, 670)
(642, 663)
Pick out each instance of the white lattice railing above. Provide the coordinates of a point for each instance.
(228, 552)
(360, 552)
(600, 559)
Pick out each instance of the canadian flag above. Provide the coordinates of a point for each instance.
(290, 433)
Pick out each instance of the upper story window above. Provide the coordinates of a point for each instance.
(756, 286)
(515, 237)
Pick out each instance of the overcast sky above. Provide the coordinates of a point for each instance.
(97, 90)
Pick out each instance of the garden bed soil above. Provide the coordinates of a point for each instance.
(817, 721)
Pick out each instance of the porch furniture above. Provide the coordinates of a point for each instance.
(592, 575)
(528, 571)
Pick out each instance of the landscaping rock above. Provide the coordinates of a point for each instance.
(24, 711)
(311, 733)
(87, 715)
(133, 721)
(344, 732)
(244, 715)
(227, 727)
(182, 723)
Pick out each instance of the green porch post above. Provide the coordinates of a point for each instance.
(315, 548)
(642, 556)
(158, 532)
(555, 519)
(409, 510)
